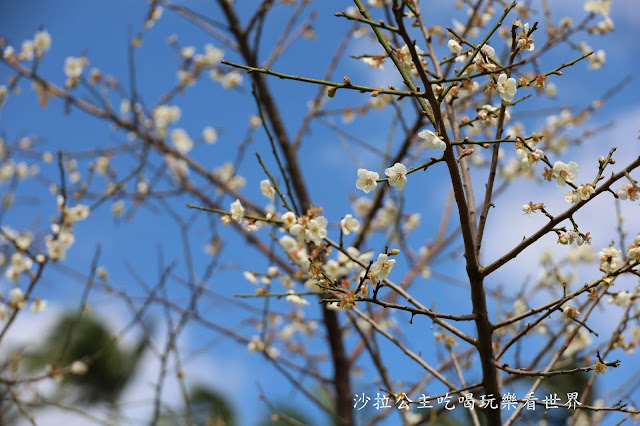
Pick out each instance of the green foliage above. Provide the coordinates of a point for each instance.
(110, 365)
(209, 407)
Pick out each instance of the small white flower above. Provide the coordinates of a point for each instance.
(570, 312)
(623, 298)
(42, 41)
(349, 224)
(454, 47)
(117, 208)
(73, 67)
(209, 134)
(78, 368)
(296, 300)
(211, 57)
(237, 210)
(397, 176)
(316, 229)
(598, 6)
(506, 87)
(367, 180)
(181, 140)
(288, 219)
(382, 266)
(526, 208)
(374, 62)
(28, 48)
(565, 172)
(255, 344)
(585, 192)
(597, 60)
(187, 52)
(267, 189)
(412, 222)
(609, 256)
(432, 140)
(572, 197)
(38, 305)
(628, 191)
(251, 277)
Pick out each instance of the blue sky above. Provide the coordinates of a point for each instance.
(100, 30)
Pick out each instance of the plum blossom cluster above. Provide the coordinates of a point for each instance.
(308, 228)
(633, 251)
(528, 153)
(62, 237)
(488, 115)
(581, 193)
(31, 49)
(609, 258)
(574, 236)
(404, 55)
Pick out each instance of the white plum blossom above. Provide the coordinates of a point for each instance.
(609, 256)
(181, 140)
(296, 300)
(209, 135)
(349, 224)
(572, 197)
(267, 189)
(432, 140)
(316, 229)
(397, 176)
(367, 180)
(212, 56)
(454, 47)
(598, 6)
(628, 191)
(237, 211)
(28, 49)
(16, 295)
(374, 62)
(580, 342)
(412, 222)
(187, 52)
(73, 67)
(78, 368)
(506, 87)
(251, 277)
(525, 41)
(586, 191)
(42, 41)
(623, 298)
(164, 115)
(38, 305)
(565, 172)
(489, 115)
(382, 266)
(570, 312)
(288, 219)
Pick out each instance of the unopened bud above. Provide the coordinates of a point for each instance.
(331, 91)
(393, 252)
(375, 93)
(347, 80)
(563, 239)
(602, 160)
